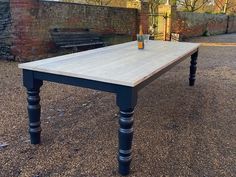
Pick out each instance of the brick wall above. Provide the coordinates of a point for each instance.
(5, 23)
(26, 42)
(197, 24)
(25, 24)
(31, 32)
(144, 16)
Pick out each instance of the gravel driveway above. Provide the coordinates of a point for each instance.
(179, 130)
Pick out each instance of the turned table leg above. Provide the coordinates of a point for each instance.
(125, 140)
(193, 68)
(126, 102)
(34, 115)
(34, 108)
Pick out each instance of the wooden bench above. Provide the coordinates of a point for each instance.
(76, 39)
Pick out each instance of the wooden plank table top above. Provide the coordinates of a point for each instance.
(121, 64)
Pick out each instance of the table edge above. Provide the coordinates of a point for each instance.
(155, 74)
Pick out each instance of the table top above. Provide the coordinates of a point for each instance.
(122, 64)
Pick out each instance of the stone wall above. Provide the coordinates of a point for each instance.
(31, 32)
(232, 24)
(5, 24)
(197, 24)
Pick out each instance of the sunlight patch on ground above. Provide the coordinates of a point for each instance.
(218, 44)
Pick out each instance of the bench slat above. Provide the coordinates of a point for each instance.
(80, 45)
(75, 39)
(70, 39)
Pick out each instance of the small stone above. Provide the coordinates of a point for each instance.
(59, 110)
(3, 145)
(61, 114)
(27, 141)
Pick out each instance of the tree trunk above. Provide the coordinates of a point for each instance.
(226, 6)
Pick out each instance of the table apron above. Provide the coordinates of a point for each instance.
(158, 74)
(79, 82)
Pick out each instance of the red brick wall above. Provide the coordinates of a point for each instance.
(144, 16)
(24, 21)
(196, 24)
(32, 21)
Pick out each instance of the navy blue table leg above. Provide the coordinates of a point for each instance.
(193, 69)
(126, 102)
(34, 109)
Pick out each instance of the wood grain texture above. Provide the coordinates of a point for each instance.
(121, 64)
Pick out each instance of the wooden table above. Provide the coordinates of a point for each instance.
(121, 69)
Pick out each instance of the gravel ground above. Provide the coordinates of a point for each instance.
(179, 130)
